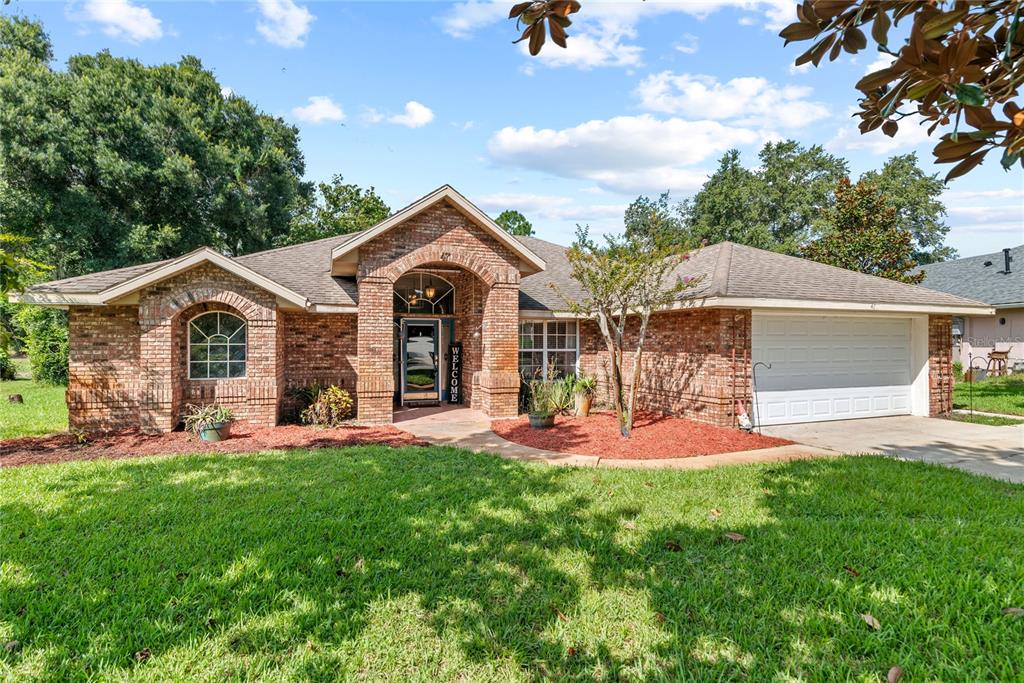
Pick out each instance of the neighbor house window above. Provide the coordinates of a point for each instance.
(216, 346)
(547, 345)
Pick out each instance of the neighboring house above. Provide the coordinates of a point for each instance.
(376, 311)
(997, 280)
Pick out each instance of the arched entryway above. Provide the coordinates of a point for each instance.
(439, 313)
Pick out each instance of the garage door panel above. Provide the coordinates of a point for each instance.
(831, 367)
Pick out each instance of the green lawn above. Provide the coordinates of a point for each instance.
(993, 395)
(43, 412)
(990, 420)
(438, 564)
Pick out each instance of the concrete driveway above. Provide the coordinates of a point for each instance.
(993, 451)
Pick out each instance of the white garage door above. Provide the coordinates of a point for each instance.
(830, 367)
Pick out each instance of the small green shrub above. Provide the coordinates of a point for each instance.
(585, 384)
(958, 371)
(199, 418)
(563, 395)
(46, 342)
(330, 407)
(7, 372)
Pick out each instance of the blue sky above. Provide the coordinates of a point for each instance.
(408, 96)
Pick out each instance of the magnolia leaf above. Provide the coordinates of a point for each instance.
(970, 94)
(715, 514)
(942, 23)
(850, 570)
(557, 33)
(966, 165)
(1009, 158)
(895, 675)
(735, 537)
(673, 546)
(854, 40)
(629, 524)
(537, 39)
(517, 9)
(880, 28)
(871, 621)
(890, 128)
(1013, 611)
(798, 31)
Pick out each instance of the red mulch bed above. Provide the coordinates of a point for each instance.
(654, 436)
(132, 444)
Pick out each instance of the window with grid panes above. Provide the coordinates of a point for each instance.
(545, 345)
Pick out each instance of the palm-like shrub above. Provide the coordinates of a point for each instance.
(329, 407)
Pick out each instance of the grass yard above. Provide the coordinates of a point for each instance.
(43, 412)
(438, 564)
(990, 420)
(992, 395)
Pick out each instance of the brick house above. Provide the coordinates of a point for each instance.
(381, 313)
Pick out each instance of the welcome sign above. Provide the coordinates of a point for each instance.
(455, 372)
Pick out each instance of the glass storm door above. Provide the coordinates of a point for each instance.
(420, 380)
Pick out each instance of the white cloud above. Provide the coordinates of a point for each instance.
(416, 115)
(371, 115)
(688, 45)
(988, 214)
(969, 195)
(602, 31)
(285, 24)
(123, 20)
(320, 108)
(549, 207)
(883, 61)
(624, 154)
(748, 101)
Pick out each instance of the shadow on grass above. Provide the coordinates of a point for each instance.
(325, 564)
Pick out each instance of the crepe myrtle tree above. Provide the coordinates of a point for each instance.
(627, 278)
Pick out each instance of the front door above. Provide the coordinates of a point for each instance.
(420, 377)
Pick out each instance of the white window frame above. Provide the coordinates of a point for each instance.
(188, 349)
(546, 349)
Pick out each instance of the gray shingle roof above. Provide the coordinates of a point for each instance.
(971, 278)
(722, 270)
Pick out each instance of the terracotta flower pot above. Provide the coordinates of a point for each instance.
(583, 403)
(542, 421)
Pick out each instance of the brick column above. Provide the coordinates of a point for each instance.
(497, 383)
(940, 364)
(375, 385)
(158, 364)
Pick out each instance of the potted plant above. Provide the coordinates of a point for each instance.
(210, 422)
(584, 388)
(541, 406)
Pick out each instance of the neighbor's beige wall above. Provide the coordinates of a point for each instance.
(983, 334)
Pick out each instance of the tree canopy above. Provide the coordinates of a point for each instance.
(864, 233)
(783, 203)
(334, 208)
(112, 162)
(514, 223)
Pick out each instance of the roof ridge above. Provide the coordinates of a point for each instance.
(343, 237)
(723, 266)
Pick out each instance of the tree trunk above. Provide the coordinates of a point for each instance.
(634, 381)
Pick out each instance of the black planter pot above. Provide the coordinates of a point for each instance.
(542, 421)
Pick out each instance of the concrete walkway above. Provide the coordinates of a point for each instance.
(471, 429)
(993, 451)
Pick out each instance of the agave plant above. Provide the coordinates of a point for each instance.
(533, 15)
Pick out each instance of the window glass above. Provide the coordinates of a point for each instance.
(424, 293)
(546, 346)
(216, 346)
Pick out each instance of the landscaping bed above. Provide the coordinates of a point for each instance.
(133, 444)
(655, 436)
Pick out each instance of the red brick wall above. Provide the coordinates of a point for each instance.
(103, 364)
(318, 349)
(442, 237)
(164, 310)
(695, 363)
(940, 364)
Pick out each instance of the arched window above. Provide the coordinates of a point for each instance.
(216, 346)
(424, 293)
